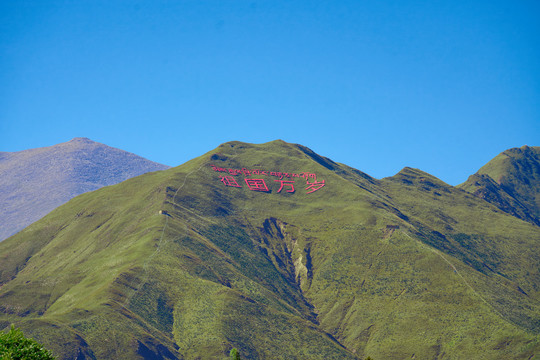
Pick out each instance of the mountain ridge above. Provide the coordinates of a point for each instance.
(510, 181)
(234, 249)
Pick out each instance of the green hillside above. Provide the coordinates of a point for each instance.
(511, 181)
(304, 258)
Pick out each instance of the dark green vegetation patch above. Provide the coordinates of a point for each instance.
(15, 346)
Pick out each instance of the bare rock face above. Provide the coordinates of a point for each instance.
(36, 181)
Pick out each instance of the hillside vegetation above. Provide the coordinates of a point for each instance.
(511, 181)
(190, 262)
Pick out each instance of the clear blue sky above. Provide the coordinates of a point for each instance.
(443, 86)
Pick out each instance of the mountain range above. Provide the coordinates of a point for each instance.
(36, 181)
(284, 254)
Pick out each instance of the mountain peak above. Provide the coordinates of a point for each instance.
(510, 181)
(35, 181)
(81, 140)
(409, 175)
(524, 150)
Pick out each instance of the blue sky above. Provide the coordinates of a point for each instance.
(443, 86)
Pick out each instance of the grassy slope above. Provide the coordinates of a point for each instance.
(77, 253)
(102, 270)
(511, 181)
(491, 256)
(275, 273)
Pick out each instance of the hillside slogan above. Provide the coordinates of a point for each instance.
(285, 182)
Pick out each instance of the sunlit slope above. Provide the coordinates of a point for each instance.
(66, 266)
(511, 181)
(491, 256)
(192, 261)
(119, 278)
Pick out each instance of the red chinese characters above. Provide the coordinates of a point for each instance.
(229, 181)
(286, 180)
(314, 186)
(257, 185)
(286, 183)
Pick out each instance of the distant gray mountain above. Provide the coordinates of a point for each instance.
(36, 181)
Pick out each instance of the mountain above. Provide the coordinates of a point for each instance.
(281, 253)
(34, 182)
(511, 181)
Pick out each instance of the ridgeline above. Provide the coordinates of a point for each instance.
(280, 253)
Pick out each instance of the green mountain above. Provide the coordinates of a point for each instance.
(511, 181)
(282, 254)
